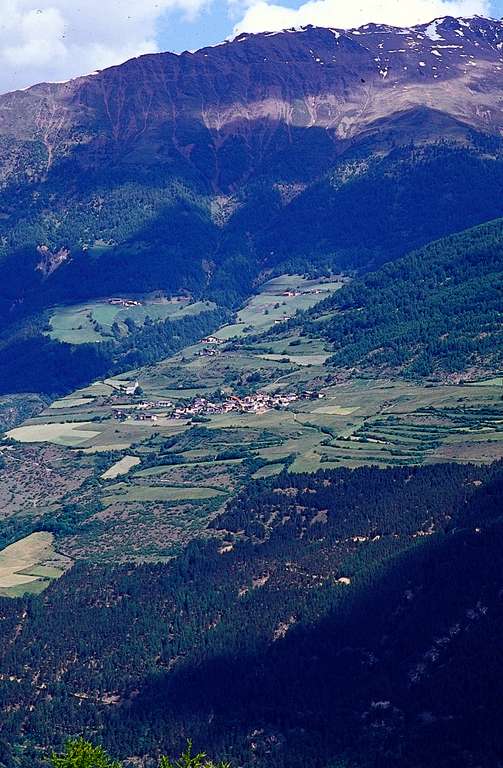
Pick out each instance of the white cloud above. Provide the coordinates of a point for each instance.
(261, 16)
(59, 39)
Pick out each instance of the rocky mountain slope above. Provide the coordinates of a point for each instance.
(198, 171)
(221, 112)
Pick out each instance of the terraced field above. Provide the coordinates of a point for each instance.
(176, 474)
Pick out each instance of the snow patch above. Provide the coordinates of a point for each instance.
(432, 30)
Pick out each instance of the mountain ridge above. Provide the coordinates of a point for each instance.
(340, 81)
(193, 171)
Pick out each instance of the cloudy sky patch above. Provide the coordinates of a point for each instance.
(262, 15)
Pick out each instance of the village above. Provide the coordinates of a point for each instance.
(257, 403)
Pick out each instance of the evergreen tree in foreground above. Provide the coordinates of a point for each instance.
(80, 753)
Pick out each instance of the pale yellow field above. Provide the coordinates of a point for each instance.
(71, 402)
(297, 359)
(62, 434)
(23, 555)
(335, 410)
(121, 467)
(107, 447)
(497, 381)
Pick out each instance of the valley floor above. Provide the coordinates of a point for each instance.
(134, 467)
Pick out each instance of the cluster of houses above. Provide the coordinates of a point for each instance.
(304, 292)
(257, 403)
(118, 302)
(260, 402)
(130, 389)
(142, 411)
(209, 352)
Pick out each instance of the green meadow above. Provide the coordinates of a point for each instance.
(92, 322)
(176, 474)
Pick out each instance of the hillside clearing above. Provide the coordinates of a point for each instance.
(121, 467)
(29, 561)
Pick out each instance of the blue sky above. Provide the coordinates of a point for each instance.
(54, 40)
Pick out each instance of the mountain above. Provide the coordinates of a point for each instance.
(250, 529)
(200, 170)
(219, 115)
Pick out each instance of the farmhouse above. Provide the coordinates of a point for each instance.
(125, 302)
(132, 389)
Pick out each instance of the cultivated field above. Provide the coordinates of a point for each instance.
(29, 565)
(176, 474)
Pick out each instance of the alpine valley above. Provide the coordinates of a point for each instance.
(251, 403)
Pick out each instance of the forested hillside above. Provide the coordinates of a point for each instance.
(372, 207)
(32, 362)
(150, 233)
(344, 618)
(437, 311)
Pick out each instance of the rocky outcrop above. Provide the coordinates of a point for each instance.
(50, 261)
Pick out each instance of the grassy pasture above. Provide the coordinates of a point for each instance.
(271, 304)
(359, 421)
(158, 493)
(92, 322)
